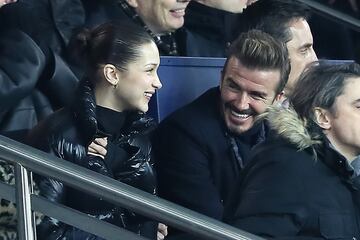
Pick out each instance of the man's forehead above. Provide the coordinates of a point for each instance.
(252, 79)
(301, 33)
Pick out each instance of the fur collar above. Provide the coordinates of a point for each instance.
(286, 123)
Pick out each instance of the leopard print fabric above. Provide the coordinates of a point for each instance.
(8, 217)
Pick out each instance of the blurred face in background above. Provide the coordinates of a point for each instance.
(161, 16)
(301, 51)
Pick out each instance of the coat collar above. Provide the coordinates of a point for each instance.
(286, 123)
(84, 110)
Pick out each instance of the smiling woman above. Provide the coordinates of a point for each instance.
(121, 77)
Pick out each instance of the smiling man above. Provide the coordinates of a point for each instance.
(201, 149)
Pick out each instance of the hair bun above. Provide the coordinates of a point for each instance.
(79, 46)
(83, 39)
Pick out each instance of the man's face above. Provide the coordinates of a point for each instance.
(300, 50)
(161, 15)
(246, 93)
(344, 130)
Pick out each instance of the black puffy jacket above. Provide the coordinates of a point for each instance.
(67, 134)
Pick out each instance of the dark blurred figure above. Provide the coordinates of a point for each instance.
(31, 87)
(207, 31)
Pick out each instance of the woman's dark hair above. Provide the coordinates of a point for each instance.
(114, 43)
(319, 86)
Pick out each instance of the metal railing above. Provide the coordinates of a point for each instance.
(333, 14)
(26, 159)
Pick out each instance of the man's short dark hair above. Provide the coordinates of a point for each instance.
(319, 86)
(258, 50)
(273, 17)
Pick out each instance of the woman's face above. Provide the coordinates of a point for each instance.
(344, 131)
(138, 83)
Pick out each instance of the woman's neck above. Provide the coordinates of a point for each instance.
(104, 97)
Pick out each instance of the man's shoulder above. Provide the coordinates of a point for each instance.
(200, 119)
(204, 108)
(280, 152)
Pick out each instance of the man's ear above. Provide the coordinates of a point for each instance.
(322, 118)
(133, 3)
(111, 74)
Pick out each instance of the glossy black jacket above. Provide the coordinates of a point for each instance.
(66, 134)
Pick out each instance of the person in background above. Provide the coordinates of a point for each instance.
(303, 182)
(20, 52)
(121, 77)
(286, 21)
(208, 28)
(201, 148)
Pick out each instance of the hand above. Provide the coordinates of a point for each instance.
(162, 231)
(234, 6)
(3, 2)
(98, 147)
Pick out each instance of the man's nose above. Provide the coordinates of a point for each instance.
(242, 102)
(313, 55)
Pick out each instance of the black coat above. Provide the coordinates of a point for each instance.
(195, 160)
(66, 134)
(207, 32)
(49, 23)
(284, 193)
(31, 84)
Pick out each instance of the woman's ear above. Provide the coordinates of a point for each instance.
(133, 3)
(111, 74)
(322, 118)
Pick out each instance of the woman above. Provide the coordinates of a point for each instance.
(303, 181)
(122, 62)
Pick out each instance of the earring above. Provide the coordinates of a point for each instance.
(115, 86)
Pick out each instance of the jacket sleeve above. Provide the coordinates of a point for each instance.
(269, 199)
(21, 64)
(183, 170)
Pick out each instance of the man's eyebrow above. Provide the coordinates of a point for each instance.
(306, 45)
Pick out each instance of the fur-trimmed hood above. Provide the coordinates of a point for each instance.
(287, 124)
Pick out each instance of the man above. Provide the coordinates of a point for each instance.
(201, 148)
(287, 22)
